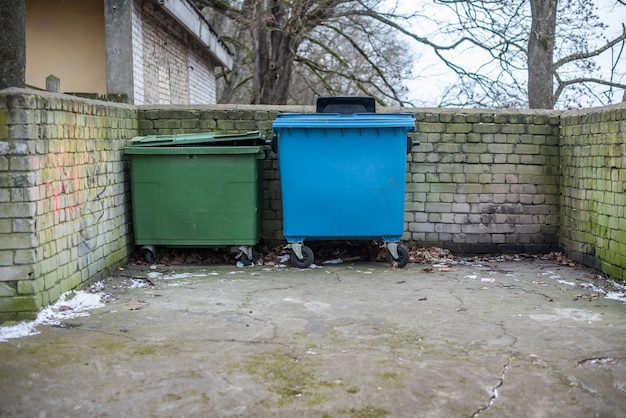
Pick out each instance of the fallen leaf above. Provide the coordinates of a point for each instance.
(444, 269)
(401, 281)
(423, 299)
(589, 297)
(136, 305)
(427, 269)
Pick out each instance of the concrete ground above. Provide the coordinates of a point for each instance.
(527, 338)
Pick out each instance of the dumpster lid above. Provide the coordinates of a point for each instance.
(338, 121)
(198, 139)
(345, 105)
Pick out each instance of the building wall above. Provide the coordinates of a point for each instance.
(201, 79)
(169, 68)
(60, 34)
(137, 43)
(481, 181)
(161, 64)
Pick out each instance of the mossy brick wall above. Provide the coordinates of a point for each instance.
(593, 185)
(481, 181)
(64, 192)
(484, 181)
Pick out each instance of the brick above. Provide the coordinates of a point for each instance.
(500, 148)
(13, 273)
(485, 128)
(8, 289)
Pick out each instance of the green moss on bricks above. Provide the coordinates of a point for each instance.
(23, 304)
(29, 287)
(431, 127)
(4, 130)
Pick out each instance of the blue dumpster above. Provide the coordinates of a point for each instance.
(343, 177)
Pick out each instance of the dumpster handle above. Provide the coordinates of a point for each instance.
(410, 143)
(273, 143)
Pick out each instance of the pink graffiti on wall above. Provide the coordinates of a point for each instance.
(64, 173)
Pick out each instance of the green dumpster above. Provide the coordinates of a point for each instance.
(197, 190)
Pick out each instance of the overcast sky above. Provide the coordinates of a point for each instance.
(432, 76)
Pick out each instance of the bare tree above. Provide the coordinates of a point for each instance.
(329, 46)
(12, 43)
(555, 43)
(352, 55)
(540, 54)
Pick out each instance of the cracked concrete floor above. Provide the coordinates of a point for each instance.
(519, 339)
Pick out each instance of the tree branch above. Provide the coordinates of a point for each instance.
(594, 53)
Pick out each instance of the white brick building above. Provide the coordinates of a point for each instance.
(152, 51)
(174, 52)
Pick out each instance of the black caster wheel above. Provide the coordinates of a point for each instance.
(307, 258)
(403, 256)
(246, 261)
(149, 256)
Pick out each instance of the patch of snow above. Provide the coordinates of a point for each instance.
(592, 287)
(335, 261)
(572, 284)
(618, 285)
(136, 284)
(63, 309)
(284, 258)
(618, 296)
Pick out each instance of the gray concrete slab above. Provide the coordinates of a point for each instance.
(526, 338)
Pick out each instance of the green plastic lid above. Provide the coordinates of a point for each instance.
(206, 138)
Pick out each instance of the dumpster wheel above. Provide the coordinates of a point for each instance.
(307, 258)
(403, 256)
(149, 254)
(247, 261)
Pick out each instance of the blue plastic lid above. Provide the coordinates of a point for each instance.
(335, 120)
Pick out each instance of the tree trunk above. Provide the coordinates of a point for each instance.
(274, 50)
(274, 88)
(12, 43)
(541, 54)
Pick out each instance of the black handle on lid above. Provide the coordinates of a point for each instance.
(346, 105)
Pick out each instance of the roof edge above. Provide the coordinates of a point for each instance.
(188, 15)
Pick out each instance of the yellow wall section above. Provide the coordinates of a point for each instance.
(66, 38)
